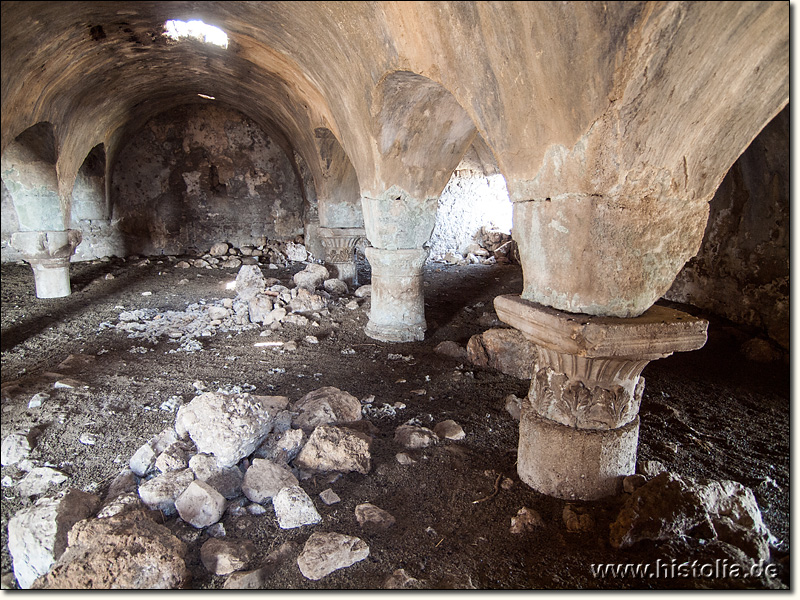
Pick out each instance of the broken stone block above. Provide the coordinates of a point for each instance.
(328, 496)
(226, 480)
(250, 282)
(37, 535)
(325, 553)
(332, 448)
(229, 426)
(294, 508)
(526, 519)
(126, 551)
(16, 447)
(143, 460)
(200, 505)
(506, 350)
(311, 277)
(307, 302)
(161, 492)
(260, 309)
(38, 481)
(283, 447)
(327, 405)
(370, 516)
(264, 479)
(414, 436)
(449, 430)
(451, 349)
(669, 506)
(296, 252)
(175, 456)
(335, 286)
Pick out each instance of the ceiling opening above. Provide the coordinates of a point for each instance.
(196, 30)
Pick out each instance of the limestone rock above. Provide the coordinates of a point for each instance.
(370, 516)
(514, 406)
(400, 580)
(126, 501)
(281, 447)
(365, 291)
(124, 483)
(294, 508)
(296, 252)
(449, 430)
(144, 459)
(222, 557)
(650, 468)
(175, 456)
(451, 349)
(128, 551)
(39, 480)
(526, 519)
(324, 553)
(260, 309)
(200, 505)
(307, 302)
(414, 436)
(335, 286)
(669, 506)
(264, 479)
(219, 249)
(328, 496)
(249, 282)
(16, 447)
(506, 350)
(229, 426)
(37, 535)
(226, 480)
(332, 448)
(161, 492)
(326, 405)
(311, 277)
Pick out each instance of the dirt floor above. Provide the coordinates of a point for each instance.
(705, 414)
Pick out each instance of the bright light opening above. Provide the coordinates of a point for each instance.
(197, 30)
(206, 97)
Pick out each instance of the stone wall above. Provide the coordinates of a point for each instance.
(201, 174)
(742, 269)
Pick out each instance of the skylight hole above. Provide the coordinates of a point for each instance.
(196, 30)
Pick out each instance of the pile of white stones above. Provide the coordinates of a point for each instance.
(236, 453)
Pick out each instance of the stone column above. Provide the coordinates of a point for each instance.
(340, 248)
(579, 426)
(397, 226)
(48, 253)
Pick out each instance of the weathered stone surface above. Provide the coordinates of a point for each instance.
(39, 480)
(335, 286)
(294, 508)
(514, 406)
(451, 349)
(332, 448)
(296, 252)
(260, 309)
(449, 430)
(226, 480)
(143, 460)
(282, 447)
(311, 277)
(506, 350)
(324, 553)
(264, 479)
(37, 535)
(414, 436)
(249, 282)
(200, 505)
(16, 447)
(126, 501)
(327, 405)
(257, 578)
(370, 516)
(328, 496)
(669, 506)
(307, 302)
(125, 482)
(175, 456)
(127, 551)
(229, 426)
(525, 520)
(400, 580)
(222, 557)
(219, 249)
(160, 492)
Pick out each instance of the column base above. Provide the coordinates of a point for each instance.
(48, 253)
(575, 464)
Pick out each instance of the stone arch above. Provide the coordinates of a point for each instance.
(338, 191)
(29, 173)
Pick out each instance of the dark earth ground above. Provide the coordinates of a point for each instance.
(705, 414)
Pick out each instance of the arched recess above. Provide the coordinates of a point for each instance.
(30, 176)
(89, 190)
(338, 191)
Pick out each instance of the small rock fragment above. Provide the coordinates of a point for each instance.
(414, 436)
(15, 447)
(332, 448)
(526, 519)
(38, 481)
(370, 516)
(161, 492)
(294, 508)
(451, 349)
(264, 479)
(328, 496)
(324, 553)
(223, 556)
(449, 430)
(365, 291)
(200, 505)
(576, 519)
(400, 580)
